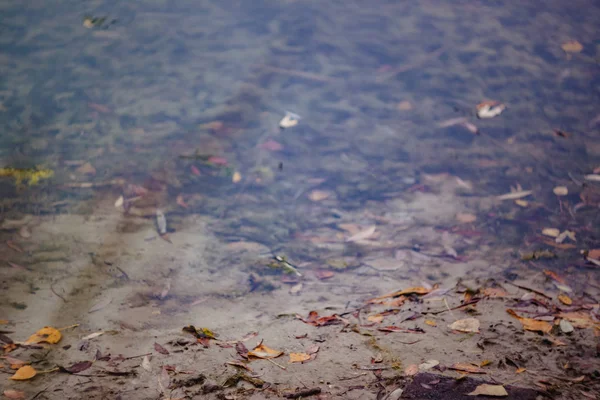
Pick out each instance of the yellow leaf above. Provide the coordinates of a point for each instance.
(565, 299)
(375, 318)
(430, 322)
(520, 370)
(262, 351)
(236, 177)
(572, 46)
(531, 324)
(24, 373)
(46, 334)
(484, 363)
(298, 357)
(522, 203)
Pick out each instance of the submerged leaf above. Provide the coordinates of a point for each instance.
(531, 324)
(572, 46)
(467, 325)
(362, 235)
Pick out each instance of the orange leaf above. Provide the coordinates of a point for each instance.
(554, 275)
(494, 292)
(46, 334)
(262, 351)
(413, 290)
(466, 367)
(24, 373)
(430, 322)
(565, 299)
(531, 324)
(299, 357)
(520, 370)
(14, 394)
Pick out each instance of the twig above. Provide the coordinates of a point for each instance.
(273, 362)
(347, 378)
(530, 290)
(141, 355)
(303, 393)
(53, 291)
(123, 272)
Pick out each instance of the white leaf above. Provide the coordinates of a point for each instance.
(489, 390)
(467, 325)
(92, 335)
(146, 364)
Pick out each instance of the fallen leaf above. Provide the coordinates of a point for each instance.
(466, 367)
(485, 362)
(92, 335)
(46, 334)
(552, 232)
(290, 119)
(318, 195)
(222, 161)
(241, 350)
(565, 299)
(572, 46)
(531, 324)
(239, 364)
(411, 370)
(404, 105)
(100, 305)
(314, 319)
(430, 322)
(296, 288)
(86, 169)
(413, 290)
(467, 325)
(429, 364)
(314, 349)
(299, 357)
(160, 349)
(362, 235)
(560, 191)
(393, 328)
(564, 235)
(271, 145)
(264, 352)
(15, 363)
(520, 370)
(489, 109)
(515, 195)
(195, 170)
(377, 318)
(451, 122)
(494, 292)
(161, 222)
(181, 201)
(79, 367)
(323, 274)
(553, 275)
(522, 203)
(489, 390)
(466, 218)
(24, 373)
(14, 394)
(594, 253)
(236, 177)
(200, 333)
(592, 177)
(579, 319)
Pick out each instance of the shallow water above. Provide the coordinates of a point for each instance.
(176, 107)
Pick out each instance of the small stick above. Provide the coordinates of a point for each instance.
(141, 355)
(53, 291)
(303, 393)
(531, 290)
(273, 362)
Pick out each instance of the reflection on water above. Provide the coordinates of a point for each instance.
(389, 176)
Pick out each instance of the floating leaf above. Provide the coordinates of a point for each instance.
(299, 357)
(160, 349)
(466, 367)
(566, 326)
(489, 390)
(24, 373)
(467, 325)
(362, 235)
(565, 299)
(489, 109)
(264, 352)
(290, 119)
(531, 324)
(14, 394)
(572, 46)
(46, 334)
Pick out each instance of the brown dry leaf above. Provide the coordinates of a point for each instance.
(466, 218)
(161, 349)
(324, 274)
(24, 373)
(572, 46)
(14, 394)
(553, 275)
(318, 195)
(520, 370)
(467, 325)
(413, 290)
(299, 357)
(262, 351)
(531, 324)
(15, 363)
(430, 322)
(411, 370)
(466, 367)
(489, 390)
(565, 299)
(46, 334)
(362, 235)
